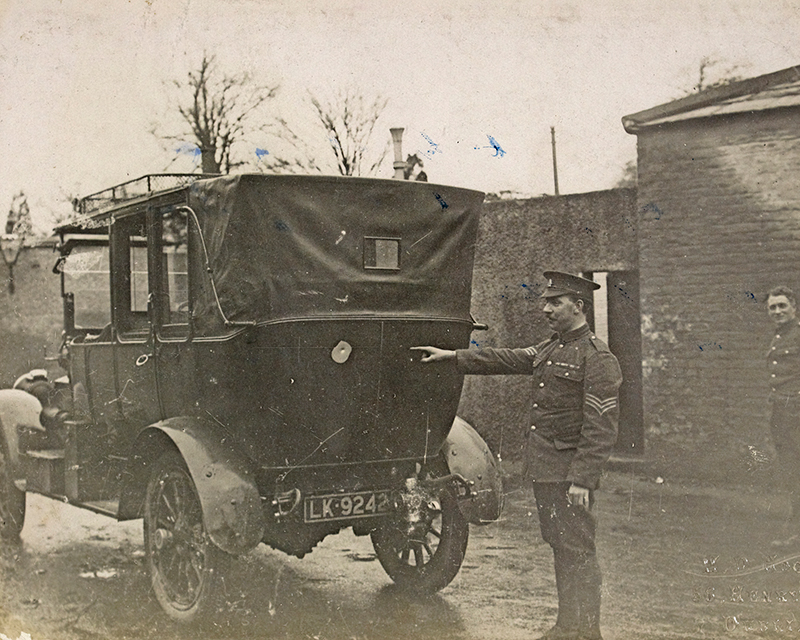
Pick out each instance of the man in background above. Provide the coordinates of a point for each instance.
(783, 365)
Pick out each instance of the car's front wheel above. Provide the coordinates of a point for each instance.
(12, 501)
(422, 548)
(186, 568)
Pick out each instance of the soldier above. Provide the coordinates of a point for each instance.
(783, 364)
(575, 413)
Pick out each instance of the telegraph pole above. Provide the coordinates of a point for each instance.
(555, 164)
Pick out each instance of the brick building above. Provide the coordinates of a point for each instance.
(719, 225)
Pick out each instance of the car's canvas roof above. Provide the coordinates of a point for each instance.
(289, 246)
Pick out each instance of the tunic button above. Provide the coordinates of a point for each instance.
(566, 374)
(773, 348)
(535, 405)
(773, 375)
(774, 362)
(561, 346)
(541, 384)
(533, 427)
(549, 362)
(777, 336)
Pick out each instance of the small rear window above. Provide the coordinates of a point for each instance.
(382, 253)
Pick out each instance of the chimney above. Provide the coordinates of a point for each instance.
(399, 163)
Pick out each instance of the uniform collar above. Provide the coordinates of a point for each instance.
(569, 336)
(786, 326)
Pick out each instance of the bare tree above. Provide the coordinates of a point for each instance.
(18, 221)
(347, 123)
(414, 170)
(711, 74)
(629, 176)
(18, 225)
(219, 110)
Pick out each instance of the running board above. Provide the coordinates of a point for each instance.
(103, 507)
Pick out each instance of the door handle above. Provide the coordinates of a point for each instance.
(142, 359)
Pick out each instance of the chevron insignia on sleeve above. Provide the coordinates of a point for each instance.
(601, 406)
(531, 351)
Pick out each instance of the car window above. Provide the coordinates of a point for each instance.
(86, 276)
(139, 285)
(174, 268)
(131, 275)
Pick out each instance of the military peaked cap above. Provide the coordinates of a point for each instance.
(559, 284)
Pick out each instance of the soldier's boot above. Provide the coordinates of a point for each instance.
(588, 587)
(566, 627)
(556, 633)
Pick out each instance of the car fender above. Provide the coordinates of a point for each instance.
(18, 409)
(224, 477)
(468, 455)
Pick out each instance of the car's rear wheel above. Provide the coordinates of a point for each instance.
(186, 568)
(424, 553)
(12, 501)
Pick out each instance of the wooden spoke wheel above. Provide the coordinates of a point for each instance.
(424, 553)
(186, 568)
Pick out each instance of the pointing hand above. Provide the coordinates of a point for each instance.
(435, 354)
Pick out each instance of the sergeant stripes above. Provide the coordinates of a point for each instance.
(601, 406)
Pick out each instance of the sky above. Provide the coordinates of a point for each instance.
(476, 85)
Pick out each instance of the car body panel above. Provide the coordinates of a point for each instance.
(224, 478)
(18, 409)
(468, 455)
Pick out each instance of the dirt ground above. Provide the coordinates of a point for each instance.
(680, 561)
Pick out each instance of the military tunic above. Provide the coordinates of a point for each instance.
(575, 410)
(783, 365)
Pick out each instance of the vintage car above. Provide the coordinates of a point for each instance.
(239, 371)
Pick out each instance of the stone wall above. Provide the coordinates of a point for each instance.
(31, 318)
(517, 241)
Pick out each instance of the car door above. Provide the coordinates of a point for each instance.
(134, 354)
(91, 464)
(170, 289)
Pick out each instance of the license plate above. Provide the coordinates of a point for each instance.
(344, 506)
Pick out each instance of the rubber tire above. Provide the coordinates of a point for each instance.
(12, 502)
(187, 574)
(397, 555)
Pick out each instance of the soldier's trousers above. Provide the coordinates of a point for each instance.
(570, 531)
(785, 428)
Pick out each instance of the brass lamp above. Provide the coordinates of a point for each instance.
(11, 245)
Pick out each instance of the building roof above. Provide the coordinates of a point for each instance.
(771, 91)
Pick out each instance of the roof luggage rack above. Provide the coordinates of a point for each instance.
(133, 189)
